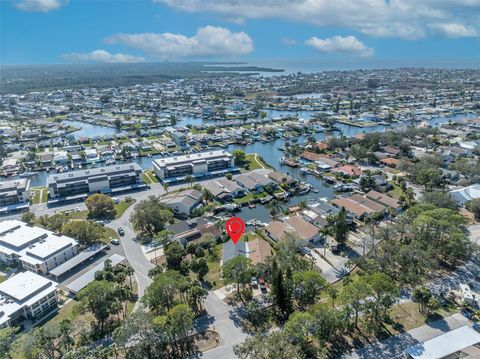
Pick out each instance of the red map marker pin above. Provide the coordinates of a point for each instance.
(235, 228)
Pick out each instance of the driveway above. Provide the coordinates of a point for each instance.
(225, 320)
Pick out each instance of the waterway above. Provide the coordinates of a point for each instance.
(269, 151)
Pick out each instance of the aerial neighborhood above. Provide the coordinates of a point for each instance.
(359, 190)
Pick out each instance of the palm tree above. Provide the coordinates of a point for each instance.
(189, 180)
(165, 186)
(325, 232)
(128, 270)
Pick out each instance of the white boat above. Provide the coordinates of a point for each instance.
(26, 174)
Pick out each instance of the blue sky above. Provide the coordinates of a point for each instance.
(363, 31)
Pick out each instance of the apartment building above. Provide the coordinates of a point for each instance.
(110, 179)
(198, 165)
(36, 249)
(26, 296)
(14, 194)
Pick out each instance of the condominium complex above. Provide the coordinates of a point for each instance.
(26, 296)
(110, 179)
(198, 165)
(14, 194)
(36, 249)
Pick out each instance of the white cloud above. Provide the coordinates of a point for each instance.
(345, 45)
(209, 41)
(101, 56)
(288, 41)
(408, 19)
(39, 5)
(455, 30)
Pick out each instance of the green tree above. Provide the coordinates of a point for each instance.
(100, 206)
(340, 227)
(239, 157)
(162, 292)
(174, 253)
(474, 207)
(200, 267)
(308, 286)
(267, 346)
(7, 339)
(100, 299)
(150, 216)
(238, 270)
(28, 217)
(255, 314)
(85, 232)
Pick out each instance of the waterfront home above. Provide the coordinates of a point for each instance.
(223, 189)
(311, 156)
(348, 170)
(10, 166)
(294, 225)
(254, 182)
(183, 202)
(60, 157)
(282, 179)
(46, 159)
(91, 155)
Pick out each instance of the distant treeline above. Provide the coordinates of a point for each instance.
(26, 78)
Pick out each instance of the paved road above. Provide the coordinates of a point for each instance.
(133, 251)
(224, 320)
(394, 347)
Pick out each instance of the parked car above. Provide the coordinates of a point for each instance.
(306, 250)
(121, 231)
(115, 241)
(77, 209)
(468, 313)
(476, 326)
(254, 282)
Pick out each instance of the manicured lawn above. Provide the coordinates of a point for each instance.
(78, 215)
(2, 278)
(150, 177)
(122, 207)
(249, 197)
(255, 162)
(40, 195)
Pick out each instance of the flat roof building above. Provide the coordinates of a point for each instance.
(37, 249)
(198, 165)
(26, 296)
(14, 194)
(110, 179)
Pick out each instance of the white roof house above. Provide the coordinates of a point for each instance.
(38, 249)
(26, 295)
(445, 344)
(465, 194)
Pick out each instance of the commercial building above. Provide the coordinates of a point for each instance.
(36, 249)
(110, 179)
(26, 296)
(198, 165)
(14, 194)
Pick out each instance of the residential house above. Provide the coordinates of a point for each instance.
(183, 202)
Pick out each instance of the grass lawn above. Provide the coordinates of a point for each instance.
(109, 233)
(406, 316)
(150, 177)
(40, 195)
(255, 162)
(396, 192)
(78, 215)
(2, 278)
(122, 207)
(213, 261)
(250, 196)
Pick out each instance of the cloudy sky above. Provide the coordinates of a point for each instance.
(114, 31)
